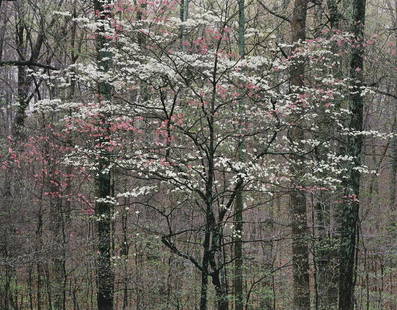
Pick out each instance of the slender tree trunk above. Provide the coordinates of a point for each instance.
(39, 267)
(7, 231)
(103, 209)
(393, 170)
(393, 144)
(238, 252)
(300, 251)
(392, 5)
(124, 254)
(350, 212)
(334, 14)
(221, 294)
(23, 85)
(209, 243)
(60, 211)
(3, 27)
(205, 263)
(325, 252)
(183, 15)
(326, 257)
(238, 209)
(23, 37)
(59, 260)
(105, 276)
(215, 258)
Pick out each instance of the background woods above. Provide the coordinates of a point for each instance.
(198, 154)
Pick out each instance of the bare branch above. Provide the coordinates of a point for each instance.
(26, 63)
(385, 93)
(274, 13)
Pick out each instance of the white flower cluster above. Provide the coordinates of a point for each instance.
(107, 200)
(136, 192)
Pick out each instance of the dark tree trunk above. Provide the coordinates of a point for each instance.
(59, 259)
(205, 262)
(221, 293)
(393, 143)
(325, 252)
(393, 170)
(238, 252)
(300, 251)
(216, 260)
(23, 37)
(124, 254)
(183, 15)
(23, 85)
(325, 257)
(103, 209)
(238, 209)
(350, 212)
(334, 15)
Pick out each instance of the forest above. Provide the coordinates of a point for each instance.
(198, 154)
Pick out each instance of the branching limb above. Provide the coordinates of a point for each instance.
(19, 63)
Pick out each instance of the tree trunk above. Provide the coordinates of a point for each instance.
(23, 37)
(325, 251)
(300, 251)
(183, 15)
(103, 209)
(215, 259)
(350, 211)
(205, 263)
(334, 14)
(57, 226)
(23, 85)
(238, 252)
(124, 254)
(393, 170)
(221, 294)
(325, 255)
(393, 143)
(238, 209)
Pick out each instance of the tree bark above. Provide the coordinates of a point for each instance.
(183, 15)
(23, 85)
(300, 251)
(238, 209)
(350, 211)
(103, 209)
(326, 251)
(205, 262)
(23, 37)
(393, 143)
(58, 221)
